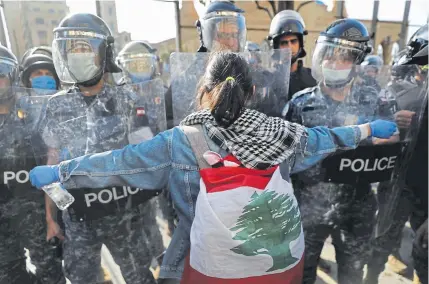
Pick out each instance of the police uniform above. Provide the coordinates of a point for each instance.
(25, 255)
(346, 212)
(300, 80)
(77, 125)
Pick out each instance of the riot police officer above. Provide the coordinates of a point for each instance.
(91, 117)
(415, 176)
(221, 27)
(370, 69)
(254, 59)
(38, 71)
(412, 201)
(22, 211)
(343, 211)
(138, 61)
(287, 30)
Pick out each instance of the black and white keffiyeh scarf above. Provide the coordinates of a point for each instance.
(255, 139)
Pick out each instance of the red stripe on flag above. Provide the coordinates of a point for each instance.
(291, 276)
(226, 178)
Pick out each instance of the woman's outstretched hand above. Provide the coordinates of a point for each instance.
(44, 175)
(382, 128)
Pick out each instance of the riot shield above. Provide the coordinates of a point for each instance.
(149, 114)
(129, 221)
(270, 73)
(22, 207)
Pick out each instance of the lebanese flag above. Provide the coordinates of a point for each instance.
(247, 229)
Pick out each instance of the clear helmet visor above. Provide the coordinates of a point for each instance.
(333, 63)
(138, 67)
(8, 69)
(78, 59)
(224, 31)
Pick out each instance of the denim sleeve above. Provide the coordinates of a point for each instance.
(321, 142)
(146, 165)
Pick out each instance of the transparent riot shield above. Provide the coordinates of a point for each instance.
(270, 72)
(149, 114)
(129, 221)
(22, 207)
(338, 196)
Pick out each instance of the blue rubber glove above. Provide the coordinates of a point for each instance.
(382, 128)
(44, 175)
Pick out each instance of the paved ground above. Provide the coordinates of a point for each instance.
(387, 277)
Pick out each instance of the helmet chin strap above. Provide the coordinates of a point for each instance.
(92, 82)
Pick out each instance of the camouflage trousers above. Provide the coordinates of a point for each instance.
(349, 221)
(25, 255)
(125, 236)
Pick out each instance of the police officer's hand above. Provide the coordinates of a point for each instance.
(403, 118)
(393, 139)
(53, 230)
(44, 175)
(421, 239)
(382, 128)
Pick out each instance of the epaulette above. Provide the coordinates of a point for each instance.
(304, 92)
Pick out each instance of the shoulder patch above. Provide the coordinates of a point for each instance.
(304, 92)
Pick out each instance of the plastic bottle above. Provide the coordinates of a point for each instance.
(59, 195)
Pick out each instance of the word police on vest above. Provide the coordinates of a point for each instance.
(20, 176)
(107, 195)
(368, 165)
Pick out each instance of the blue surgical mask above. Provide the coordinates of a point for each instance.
(43, 84)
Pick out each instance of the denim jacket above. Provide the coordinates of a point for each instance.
(167, 161)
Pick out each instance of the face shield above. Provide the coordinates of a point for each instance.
(367, 71)
(333, 60)
(224, 31)
(78, 56)
(138, 68)
(8, 69)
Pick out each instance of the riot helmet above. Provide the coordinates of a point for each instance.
(222, 26)
(138, 62)
(253, 51)
(83, 50)
(287, 22)
(371, 66)
(44, 50)
(9, 74)
(341, 46)
(252, 46)
(417, 48)
(38, 71)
